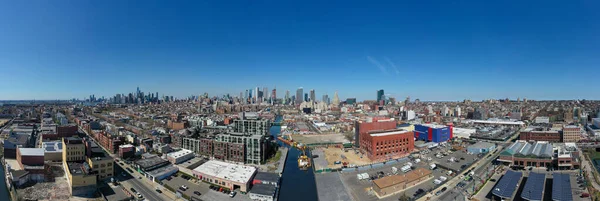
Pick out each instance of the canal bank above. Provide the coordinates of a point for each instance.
(296, 184)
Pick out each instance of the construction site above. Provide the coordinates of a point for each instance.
(334, 157)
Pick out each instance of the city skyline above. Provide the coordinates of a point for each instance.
(443, 51)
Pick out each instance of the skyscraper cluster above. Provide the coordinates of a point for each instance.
(137, 97)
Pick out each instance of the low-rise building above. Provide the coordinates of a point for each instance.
(262, 192)
(180, 156)
(539, 134)
(393, 184)
(481, 148)
(52, 151)
(81, 178)
(266, 178)
(225, 174)
(30, 157)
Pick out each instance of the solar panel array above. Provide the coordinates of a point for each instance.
(508, 184)
(561, 187)
(534, 188)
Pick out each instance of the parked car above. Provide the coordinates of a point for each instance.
(438, 193)
(232, 194)
(158, 191)
(493, 180)
(169, 178)
(197, 193)
(133, 190)
(184, 187)
(181, 188)
(444, 189)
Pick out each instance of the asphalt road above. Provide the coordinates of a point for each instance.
(131, 181)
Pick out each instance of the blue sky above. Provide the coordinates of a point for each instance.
(432, 50)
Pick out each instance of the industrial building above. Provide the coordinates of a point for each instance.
(30, 157)
(393, 184)
(433, 133)
(52, 151)
(541, 154)
(481, 147)
(537, 133)
(180, 156)
(266, 178)
(263, 192)
(225, 174)
(383, 145)
(361, 128)
(154, 167)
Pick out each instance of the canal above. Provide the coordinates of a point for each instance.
(3, 191)
(296, 184)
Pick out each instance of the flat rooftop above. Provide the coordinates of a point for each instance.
(179, 153)
(228, 171)
(52, 146)
(78, 168)
(388, 132)
(31, 151)
(149, 162)
(433, 125)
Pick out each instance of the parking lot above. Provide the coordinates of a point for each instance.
(360, 189)
(444, 158)
(176, 182)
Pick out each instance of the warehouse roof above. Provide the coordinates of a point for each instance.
(267, 176)
(263, 189)
(481, 145)
(31, 151)
(228, 171)
(180, 153)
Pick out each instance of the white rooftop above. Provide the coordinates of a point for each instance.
(228, 171)
(179, 153)
(433, 125)
(32, 151)
(389, 133)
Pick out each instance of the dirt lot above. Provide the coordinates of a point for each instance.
(328, 138)
(333, 154)
(58, 190)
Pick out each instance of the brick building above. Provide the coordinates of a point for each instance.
(382, 145)
(539, 134)
(361, 128)
(571, 133)
(541, 154)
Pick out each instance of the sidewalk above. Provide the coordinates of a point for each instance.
(587, 167)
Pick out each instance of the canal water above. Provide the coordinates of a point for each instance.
(296, 184)
(3, 191)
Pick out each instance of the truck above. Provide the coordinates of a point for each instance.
(449, 172)
(442, 178)
(417, 160)
(437, 181)
(471, 173)
(432, 166)
(394, 170)
(405, 168)
(409, 164)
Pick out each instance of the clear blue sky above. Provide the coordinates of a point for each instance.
(435, 50)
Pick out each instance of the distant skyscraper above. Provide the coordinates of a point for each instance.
(325, 99)
(380, 95)
(273, 95)
(336, 99)
(305, 97)
(299, 93)
(287, 96)
(256, 90)
(313, 96)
